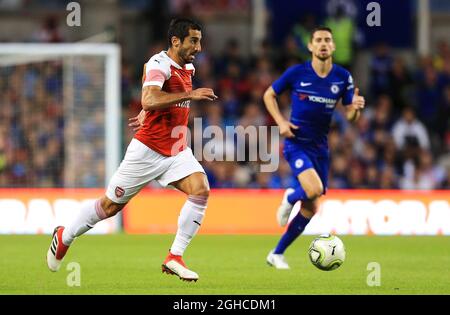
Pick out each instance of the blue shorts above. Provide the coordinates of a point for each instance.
(300, 160)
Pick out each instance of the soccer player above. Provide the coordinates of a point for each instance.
(153, 153)
(315, 86)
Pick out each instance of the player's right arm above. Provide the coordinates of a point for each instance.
(170, 98)
(154, 98)
(156, 72)
(270, 100)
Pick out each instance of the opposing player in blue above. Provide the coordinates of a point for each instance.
(316, 87)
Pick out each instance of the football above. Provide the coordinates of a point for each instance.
(327, 252)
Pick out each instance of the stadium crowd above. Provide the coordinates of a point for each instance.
(31, 127)
(402, 140)
(46, 138)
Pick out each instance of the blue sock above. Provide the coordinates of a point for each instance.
(298, 194)
(293, 231)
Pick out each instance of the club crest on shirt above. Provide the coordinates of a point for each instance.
(335, 89)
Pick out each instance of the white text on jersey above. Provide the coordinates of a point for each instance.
(184, 104)
(318, 99)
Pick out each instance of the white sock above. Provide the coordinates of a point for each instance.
(189, 221)
(91, 212)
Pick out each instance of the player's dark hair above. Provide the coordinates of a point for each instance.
(180, 28)
(320, 28)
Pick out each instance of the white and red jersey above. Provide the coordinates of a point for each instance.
(156, 133)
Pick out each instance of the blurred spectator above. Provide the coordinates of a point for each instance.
(400, 82)
(372, 180)
(380, 66)
(409, 131)
(231, 57)
(356, 177)
(424, 175)
(443, 122)
(382, 119)
(442, 56)
(266, 50)
(262, 180)
(49, 32)
(344, 29)
(252, 116)
(388, 179)
(446, 181)
(290, 54)
(283, 177)
(429, 94)
(301, 34)
(389, 147)
(339, 172)
(11, 4)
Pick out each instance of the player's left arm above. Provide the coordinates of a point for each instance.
(353, 110)
(138, 121)
(352, 101)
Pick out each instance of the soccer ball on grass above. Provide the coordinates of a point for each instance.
(327, 252)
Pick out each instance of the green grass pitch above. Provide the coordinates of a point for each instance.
(234, 264)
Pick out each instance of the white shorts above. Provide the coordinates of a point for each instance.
(141, 165)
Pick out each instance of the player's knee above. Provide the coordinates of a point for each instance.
(315, 206)
(312, 205)
(201, 191)
(110, 207)
(113, 209)
(309, 208)
(307, 212)
(314, 191)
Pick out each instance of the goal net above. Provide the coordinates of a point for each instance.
(59, 114)
(59, 128)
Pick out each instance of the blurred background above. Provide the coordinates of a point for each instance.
(52, 117)
(67, 90)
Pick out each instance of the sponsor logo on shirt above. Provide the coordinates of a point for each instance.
(184, 104)
(335, 89)
(330, 102)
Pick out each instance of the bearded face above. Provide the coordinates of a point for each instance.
(190, 46)
(322, 45)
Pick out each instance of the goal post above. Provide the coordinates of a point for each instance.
(86, 80)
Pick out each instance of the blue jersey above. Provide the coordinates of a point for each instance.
(313, 102)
